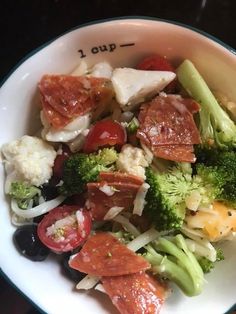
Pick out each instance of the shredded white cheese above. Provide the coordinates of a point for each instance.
(100, 288)
(108, 190)
(143, 239)
(127, 225)
(139, 201)
(113, 212)
(193, 201)
(60, 223)
(88, 282)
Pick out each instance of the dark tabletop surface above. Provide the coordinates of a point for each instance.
(27, 24)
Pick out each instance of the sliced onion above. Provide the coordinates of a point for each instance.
(20, 221)
(88, 282)
(198, 237)
(37, 210)
(143, 239)
(127, 225)
(113, 212)
(200, 250)
(193, 234)
(208, 210)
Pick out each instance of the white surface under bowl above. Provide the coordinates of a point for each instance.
(121, 42)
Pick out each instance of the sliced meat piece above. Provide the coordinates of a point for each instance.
(73, 96)
(179, 153)
(120, 177)
(104, 255)
(99, 202)
(167, 121)
(54, 117)
(138, 293)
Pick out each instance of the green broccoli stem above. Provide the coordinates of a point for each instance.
(184, 258)
(193, 267)
(166, 268)
(177, 264)
(215, 124)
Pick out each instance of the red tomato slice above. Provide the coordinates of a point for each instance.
(105, 255)
(59, 161)
(69, 236)
(103, 134)
(158, 63)
(155, 63)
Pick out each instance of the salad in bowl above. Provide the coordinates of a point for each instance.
(128, 185)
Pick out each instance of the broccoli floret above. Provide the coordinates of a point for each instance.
(133, 125)
(123, 236)
(216, 127)
(173, 260)
(208, 265)
(220, 166)
(23, 193)
(165, 199)
(79, 169)
(211, 181)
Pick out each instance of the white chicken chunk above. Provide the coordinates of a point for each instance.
(134, 86)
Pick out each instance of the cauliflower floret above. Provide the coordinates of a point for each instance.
(28, 159)
(132, 160)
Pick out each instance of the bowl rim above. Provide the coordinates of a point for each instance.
(114, 19)
(82, 25)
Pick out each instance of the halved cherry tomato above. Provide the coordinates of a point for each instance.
(103, 134)
(59, 161)
(158, 63)
(155, 63)
(72, 230)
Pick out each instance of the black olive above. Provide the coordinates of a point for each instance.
(49, 191)
(71, 273)
(28, 244)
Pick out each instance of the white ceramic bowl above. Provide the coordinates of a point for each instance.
(121, 42)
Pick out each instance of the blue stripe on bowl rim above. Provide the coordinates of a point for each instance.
(100, 21)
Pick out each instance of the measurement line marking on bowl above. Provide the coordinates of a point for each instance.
(103, 48)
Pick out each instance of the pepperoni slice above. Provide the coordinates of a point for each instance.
(167, 121)
(138, 293)
(120, 177)
(56, 119)
(179, 153)
(99, 202)
(72, 96)
(104, 255)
